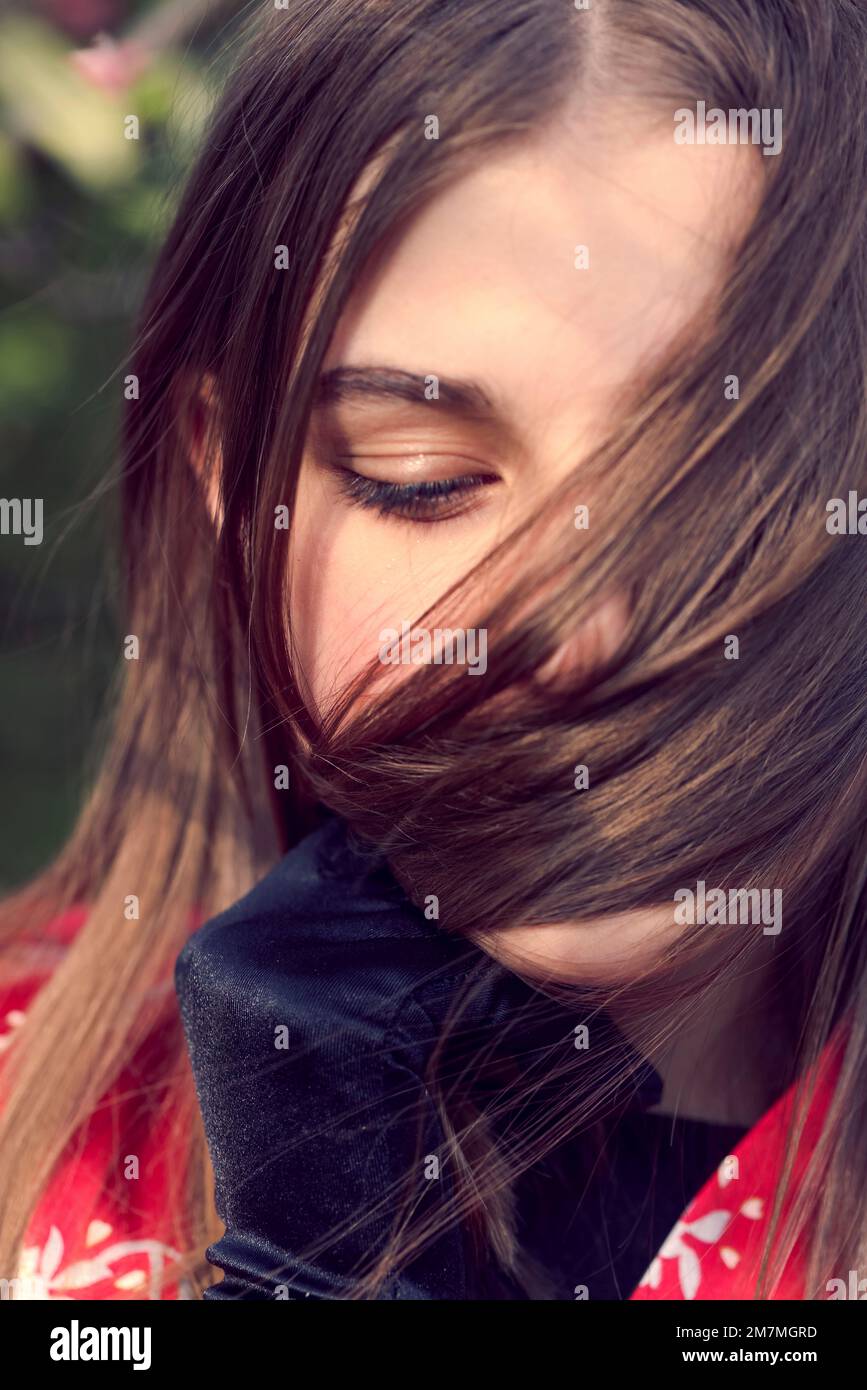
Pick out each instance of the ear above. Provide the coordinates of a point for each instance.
(199, 407)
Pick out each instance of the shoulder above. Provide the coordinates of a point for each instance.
(27, 964)
(88, 1237)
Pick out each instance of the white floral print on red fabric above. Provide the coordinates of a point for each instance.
(707, 1230)
(43, 1275)
(14, 1019)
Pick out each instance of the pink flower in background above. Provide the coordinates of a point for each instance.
(110, 65)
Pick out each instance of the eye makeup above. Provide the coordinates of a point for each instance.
(425, 501)
(388, 463)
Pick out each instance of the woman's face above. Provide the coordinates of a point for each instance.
(530, 342)
(400, 493)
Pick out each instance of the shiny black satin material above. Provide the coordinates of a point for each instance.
(327, 956)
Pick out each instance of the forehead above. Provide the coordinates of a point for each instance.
(483, 282)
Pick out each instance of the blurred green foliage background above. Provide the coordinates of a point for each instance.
(82, 211)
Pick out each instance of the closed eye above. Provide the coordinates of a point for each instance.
(428, 501)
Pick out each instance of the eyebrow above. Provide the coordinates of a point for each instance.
(460, 397)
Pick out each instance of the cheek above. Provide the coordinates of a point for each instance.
(354, 573)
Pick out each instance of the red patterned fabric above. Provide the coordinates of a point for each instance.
(85, 1243)
(99, 1231)
(715, 1247)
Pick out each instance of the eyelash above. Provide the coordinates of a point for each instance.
(425, 502)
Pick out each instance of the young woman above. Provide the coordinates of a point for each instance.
(495, 638)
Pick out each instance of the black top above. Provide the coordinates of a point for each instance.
(311, 1009)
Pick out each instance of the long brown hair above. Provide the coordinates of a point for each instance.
(710, 513)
